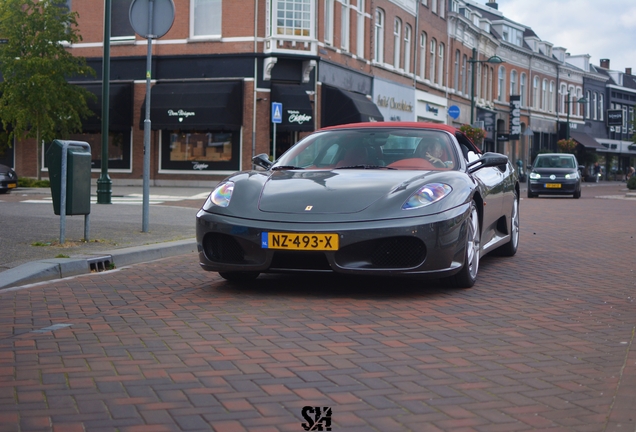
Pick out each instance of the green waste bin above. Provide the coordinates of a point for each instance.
(78, 176)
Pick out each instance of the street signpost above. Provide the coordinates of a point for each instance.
(277, 117)
(150, 19)
(454, 111)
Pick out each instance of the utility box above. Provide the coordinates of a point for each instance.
(77, 191)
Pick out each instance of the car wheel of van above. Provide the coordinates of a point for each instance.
(468, 274)
(577, 194)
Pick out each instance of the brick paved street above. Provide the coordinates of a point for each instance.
(545, 340)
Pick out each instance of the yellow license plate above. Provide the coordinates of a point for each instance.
(553, 185)
(11, 185)
(299, 241)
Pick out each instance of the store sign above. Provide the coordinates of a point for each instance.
(515, 118)
(295, 116)
(395, 102)
(614, 117)
(181, 114)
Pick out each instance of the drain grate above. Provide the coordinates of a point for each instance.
(100, 264)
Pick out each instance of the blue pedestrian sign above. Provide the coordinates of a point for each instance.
(277, 112)
(453, 111)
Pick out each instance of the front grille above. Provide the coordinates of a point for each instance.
(388, 253)
(222, 248)
(299, 260)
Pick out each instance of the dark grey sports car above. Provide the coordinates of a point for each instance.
(399, 199)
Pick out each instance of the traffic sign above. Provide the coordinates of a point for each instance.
(277, 112)
(453, 111)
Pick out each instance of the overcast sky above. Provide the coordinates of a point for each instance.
(600, 28)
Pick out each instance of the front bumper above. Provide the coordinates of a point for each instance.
(565, 186)
(427, 245)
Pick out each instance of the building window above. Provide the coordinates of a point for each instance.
(205, 18)
(562, 94)
(544, 94)
(464, 76)
(397, 42)
(601, 107)
(440, 66)
(434, 6)
(344, 25)
(360, 30)
(579, 95)
(594, 106)
(551, 97)
(423, 55)
(214, 149)
(120, 27)
(522, 90)
(513, 82)
(379, 36)
(501, 83)
(456, 71)
(407, 48)
(431, 64)
(329, 4)
(293, 17)
(442, 8)
(624, 119)
(588, 96)
(535, 92)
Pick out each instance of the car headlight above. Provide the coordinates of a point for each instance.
(535, 176)
(220, 196)
(572, 176)
(427, 194)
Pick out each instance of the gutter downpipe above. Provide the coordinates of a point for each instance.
(255, 80)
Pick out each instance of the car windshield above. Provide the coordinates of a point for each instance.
(555, 161)
(373, 148)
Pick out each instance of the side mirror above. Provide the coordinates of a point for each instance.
(262, 160)
(581, 167)
(488, 160)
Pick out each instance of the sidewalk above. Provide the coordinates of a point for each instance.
(31, 232)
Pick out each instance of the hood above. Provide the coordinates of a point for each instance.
(331, 192)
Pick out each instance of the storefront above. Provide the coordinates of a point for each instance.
(200, 124)
(297, 115)
(430, 108)
(120, 123)
(344, 96)
(395, 102)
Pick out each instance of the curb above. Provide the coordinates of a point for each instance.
(59, 268)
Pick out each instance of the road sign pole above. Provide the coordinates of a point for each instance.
(274, 144)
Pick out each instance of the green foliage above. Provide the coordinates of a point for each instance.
(631, 183)
(567, 145)
(36, 100)
(28, 182)
(476, 135)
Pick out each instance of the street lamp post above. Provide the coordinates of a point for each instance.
(473, 60)
(567, 107)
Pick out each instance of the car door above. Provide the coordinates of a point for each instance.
(492, 187)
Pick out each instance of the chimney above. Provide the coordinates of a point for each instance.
(605, 63)
(628, 71)
(493, 4)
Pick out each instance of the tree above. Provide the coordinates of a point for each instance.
(36, 100)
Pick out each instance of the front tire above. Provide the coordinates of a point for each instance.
(239, 276)
(510, 248)
(577, 194)
(468, 274)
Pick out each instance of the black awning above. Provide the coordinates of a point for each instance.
(120, 107)
(342, 106)
(298, 114)
(209, 105)
(586, 140)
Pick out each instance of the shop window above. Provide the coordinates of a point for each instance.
(200, 150)
(205, 18)
(119, 149)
